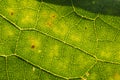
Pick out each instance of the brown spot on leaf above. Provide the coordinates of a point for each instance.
(53, 16)
(49, 23)
(11, 13)
(33, 46)
(85, 28)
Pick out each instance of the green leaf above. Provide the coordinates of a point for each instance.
(59, 40)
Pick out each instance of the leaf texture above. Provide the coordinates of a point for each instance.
(59, 40)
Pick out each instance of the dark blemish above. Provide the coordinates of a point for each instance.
(49, 24)
(85, 28)
(33, 46)
(53, 16)
(11, 13)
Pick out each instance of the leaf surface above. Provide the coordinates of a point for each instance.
(59, 40)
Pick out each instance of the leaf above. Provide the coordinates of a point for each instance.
(59, 40)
